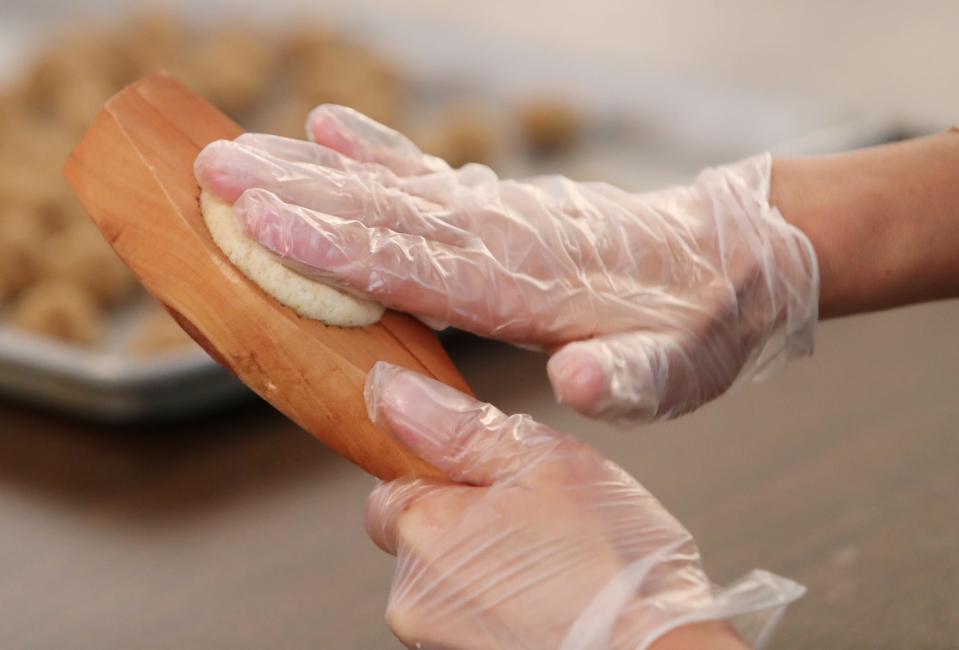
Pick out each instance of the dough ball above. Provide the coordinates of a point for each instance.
(37, 146)
(31, 163)
(287, 118)
(25, 189)
(549, 125)
(308, 42)
(463, 134)
(59, 310)
(81, 256)
(76, 104)
(62, 211)
(51, 204)
(232, 68)
(151, 42)
(159, 333)
(21, 246)
(84, 56)
(12, 113)
(339, 72)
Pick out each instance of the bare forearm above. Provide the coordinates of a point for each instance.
(884, 221)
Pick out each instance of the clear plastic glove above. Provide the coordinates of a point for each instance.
(538, 542)
(651, 304)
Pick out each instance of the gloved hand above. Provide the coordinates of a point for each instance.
(651, 304)
(538, 541)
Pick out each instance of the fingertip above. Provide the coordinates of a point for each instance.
(215, 172)
(324, 127)
(626, 377)
(396, 398)
(414, 407)
(578, 377)
(422, 413)
(378, 380)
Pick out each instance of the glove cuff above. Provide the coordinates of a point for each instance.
(799, 279)
(752, 605)
(787, 289)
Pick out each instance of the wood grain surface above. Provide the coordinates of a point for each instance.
(133, 171)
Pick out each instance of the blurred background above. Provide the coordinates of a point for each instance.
(147, 500)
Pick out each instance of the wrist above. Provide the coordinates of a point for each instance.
(714, 635)
(883, 221)
(684, 619)
(778, 283)
(813, 198)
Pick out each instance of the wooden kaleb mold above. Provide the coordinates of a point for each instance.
(133, 172)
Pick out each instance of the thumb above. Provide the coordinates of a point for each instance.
(363, 139)
(471, 441)
(641, 376)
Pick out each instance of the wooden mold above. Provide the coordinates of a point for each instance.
(133, 172)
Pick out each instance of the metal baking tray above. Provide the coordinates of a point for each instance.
(643, 131)
(110, 384)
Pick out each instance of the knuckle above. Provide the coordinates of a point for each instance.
(566, 462)
(405, 622)
(426, 527)
(416, 525)
(411, 524)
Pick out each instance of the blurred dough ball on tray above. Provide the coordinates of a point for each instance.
(328, 69)
(286, 118)
(78, 103)
(23, 188)
(61, 210)
(549, 125)
(11, 112)
(80, 255)
(39, 146)
(21, 244)
(232, 68)
(67, 84)
(71, 57)
(61, 310)
(148, 42)
(463, 133)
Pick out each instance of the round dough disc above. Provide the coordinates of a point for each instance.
(308, 298)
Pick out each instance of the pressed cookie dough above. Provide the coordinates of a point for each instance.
(308, 298)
